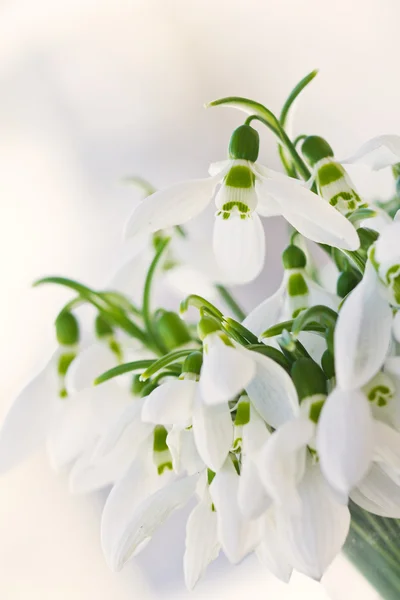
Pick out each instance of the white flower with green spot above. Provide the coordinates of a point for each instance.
(332, 180)
(247, 191)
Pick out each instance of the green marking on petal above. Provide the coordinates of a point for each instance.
(241, 206)
(242, 413)
(330, 173)
(297, 285)
(160, 439)
(161, 468)
(210, 476)
(239, 176)
(315, 410)
(63, 393)
(64, 362)
(393, 280)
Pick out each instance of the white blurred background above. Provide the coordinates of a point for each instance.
(92, 91)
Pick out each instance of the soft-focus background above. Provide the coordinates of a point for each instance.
(92, 91)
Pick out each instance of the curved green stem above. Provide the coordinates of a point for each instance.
(146, 308)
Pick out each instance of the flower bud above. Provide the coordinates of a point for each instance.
(193, 363)
(172, 330)
(308, 378)
(315, 148)
(67, 329)
(244, 143)
(102, 327)
(346, 283)
(293, 257)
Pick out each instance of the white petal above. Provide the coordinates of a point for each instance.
(138, 483)
(141, 522)
(254, 433)
(213, 432)
(239, 246)
(182, 446)
(378, 493)
(219, 167)
(272, 392)
(30, 417)
(282, 463)
(396, 326)
(267, 313)
(312, 216)
(237, 535)
(171, 403)
(362, 333)
(316, 536)
(253, 500)
(202, 546)
(173, 206)
(345, 439)
(225, 371)
(127, 429)
(387, 446)
(379, 152)
(387, 250)
(89, 364)
(87, 416)
(271, 551)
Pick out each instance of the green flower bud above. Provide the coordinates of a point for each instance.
(102, 327)
(193, 363)
(315, 148)
(346, 282)
(172, 330)
(294, 258)
(244, 143)
(206, 326)
(328, 364)
(308, 378)
(67, 329)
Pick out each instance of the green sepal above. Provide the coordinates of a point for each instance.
(346, 282)
(328, 364)
(244, 143)
(193, 363)
(102, 327)
(315, 148)
(172, 330)
(323, 315)
(293, 257)
(308, 378)
(164, 361)
(67, 329)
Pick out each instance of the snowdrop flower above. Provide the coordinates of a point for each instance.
(333, 182)
(247, 191)
(42, 401)
(296, 293)
(379, 152)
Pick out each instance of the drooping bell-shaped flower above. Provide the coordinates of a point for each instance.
(378, 152)
(247, 190)
(332, 180)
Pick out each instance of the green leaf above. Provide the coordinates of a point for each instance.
(231, 302)
(250, 107)
(288, 326)
(231, 325)
(272, 353)
(137, 365)
(360, 214)
(294, 94)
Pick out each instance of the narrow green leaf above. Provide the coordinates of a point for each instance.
(136, 365)
(323, 315)
(199, 302)
(164, 361)
(296, 91)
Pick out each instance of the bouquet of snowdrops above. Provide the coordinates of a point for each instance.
(282, 424)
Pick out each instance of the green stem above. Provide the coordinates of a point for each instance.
(146, 308)
(231, 302)
(297, 160)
